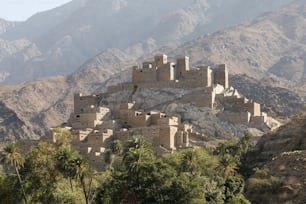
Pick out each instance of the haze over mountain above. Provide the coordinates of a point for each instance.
(62, 39)
(252, 49)
(5, 25)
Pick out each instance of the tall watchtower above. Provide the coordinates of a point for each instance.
(160, 60)
(182, 66)
(221, 75)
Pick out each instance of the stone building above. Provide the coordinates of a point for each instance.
(94, 126)
(166, 133)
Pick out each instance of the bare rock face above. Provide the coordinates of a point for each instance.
(282, 180)
(46, 103)
(11, 127)
(5, 25)
(68, 36)
(169, 100)
(289, 137)
(42, 104)
(249, 49)
(290, 68)
(279, 161)
(269, 48)
(276, 101)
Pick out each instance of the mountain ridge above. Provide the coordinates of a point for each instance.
(69, 35)
(233, 46)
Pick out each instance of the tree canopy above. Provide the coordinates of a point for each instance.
(56, 173)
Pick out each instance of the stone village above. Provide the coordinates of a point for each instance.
(94, 124)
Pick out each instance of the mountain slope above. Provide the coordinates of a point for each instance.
(5, 26)
(234, 46)
(69, 35)
(13, 128)
(279, 160)
(263, 48)
(287, 138)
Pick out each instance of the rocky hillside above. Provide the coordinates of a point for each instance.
(263, 49)
(5, 26)
(270, 48)
(276, 101)
(11, 127)
(279, 159)
(287, 138)
(280, 181)
(65, 37)
(236, 45)
(46, 103)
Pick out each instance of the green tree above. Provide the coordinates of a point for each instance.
(116, 147)
(234, 187)
(65, 164)
(61, 136)
(64, 195)
(138, 152)
(40, 173)
(189, 161)
(85, 175)
(10, 192)
(231, 154)
(12, 158)
(115, 150)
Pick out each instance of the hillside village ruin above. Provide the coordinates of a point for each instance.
(94, 123)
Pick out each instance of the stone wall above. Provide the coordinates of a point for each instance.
(235, 117)
(109, 124)
(221, 76)
(235, 104)
(93, 128)
(162, 71)
(168, 121)
(85, 103)
(160, 60)
(144, 75)
(182, 66)
(138, 119)
(167, 137)
(90, 119)
(97, 139)
(202, 75)
(201, 98)
(166, 72)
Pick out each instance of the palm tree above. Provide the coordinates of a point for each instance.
(189, 161)
(61, 136)
(83, 172)
(137, 142)
(12, 158)
(137, 152)
(137, 158)
(64, 163)
(116, 147)
(109, 157)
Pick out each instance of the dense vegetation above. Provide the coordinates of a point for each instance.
(55, 173)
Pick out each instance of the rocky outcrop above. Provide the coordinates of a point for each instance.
(43, 104)
(11, 127)
(5, 26)
(235, 44)
(279, 165)
(263, 48)
(276, 101)
(70, 35)
(287, 138)
(282, 180)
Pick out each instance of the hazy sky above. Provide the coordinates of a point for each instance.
(19, 10)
